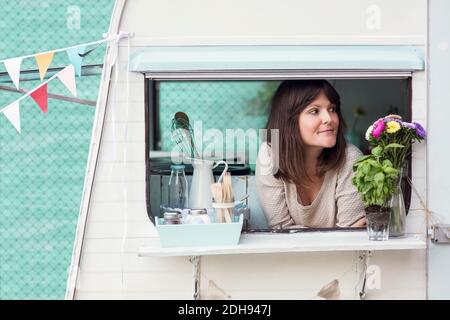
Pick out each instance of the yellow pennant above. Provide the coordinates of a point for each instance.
(43, 61)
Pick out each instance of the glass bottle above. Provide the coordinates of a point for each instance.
(178, 188)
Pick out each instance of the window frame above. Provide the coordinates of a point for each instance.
(152, 96)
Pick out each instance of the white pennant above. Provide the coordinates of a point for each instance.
(67, 76)
(13, 68)
(12, 113)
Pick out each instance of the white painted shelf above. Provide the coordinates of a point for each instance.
(294, 242)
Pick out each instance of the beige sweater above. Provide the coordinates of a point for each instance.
(337, 204)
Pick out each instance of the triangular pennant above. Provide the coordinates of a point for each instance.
(41, 97)
(12, 113)
(13, 68)
(43, 61)
(75, 58)
(67, 76)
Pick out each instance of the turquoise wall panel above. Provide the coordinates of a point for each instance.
(42, 169)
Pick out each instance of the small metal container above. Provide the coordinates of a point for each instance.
(199, 216)
(195, 212)
(172, 217)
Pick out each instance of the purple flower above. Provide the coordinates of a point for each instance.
(420, 130)
(409, 125)
(392, 119)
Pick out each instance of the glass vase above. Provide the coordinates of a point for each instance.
(397, 225)
(377, 222)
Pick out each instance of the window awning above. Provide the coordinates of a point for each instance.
(258, 59)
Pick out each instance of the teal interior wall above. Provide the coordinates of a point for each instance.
(223, 105)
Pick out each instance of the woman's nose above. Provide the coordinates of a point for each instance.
(326, 118)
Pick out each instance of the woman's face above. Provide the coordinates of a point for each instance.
(319, 123)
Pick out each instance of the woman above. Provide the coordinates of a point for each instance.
(304, 170)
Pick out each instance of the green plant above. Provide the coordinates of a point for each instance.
(375, 178)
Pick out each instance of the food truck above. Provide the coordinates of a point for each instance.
(218, 62)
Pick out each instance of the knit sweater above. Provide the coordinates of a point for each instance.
(337, 204)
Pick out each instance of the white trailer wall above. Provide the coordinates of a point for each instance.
(117, 222)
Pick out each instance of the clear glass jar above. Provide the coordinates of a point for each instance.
(178, 188)
(377, 221)
(199, 216)
(172, 217)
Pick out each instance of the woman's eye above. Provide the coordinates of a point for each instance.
(332, 109)
(313, 111)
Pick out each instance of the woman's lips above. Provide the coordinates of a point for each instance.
(324, 131)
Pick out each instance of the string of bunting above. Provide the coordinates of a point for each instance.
(43, 61)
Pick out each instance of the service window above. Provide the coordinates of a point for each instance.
(229, 117)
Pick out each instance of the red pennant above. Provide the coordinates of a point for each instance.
(41, 97)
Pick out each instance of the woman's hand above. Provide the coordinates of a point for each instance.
(360, 223)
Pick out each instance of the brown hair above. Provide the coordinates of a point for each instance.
(290, 99)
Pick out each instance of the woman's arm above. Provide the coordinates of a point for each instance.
(271, 192)
(360, 223)
(350, 208)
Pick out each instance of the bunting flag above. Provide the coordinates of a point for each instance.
(67, 77)
(12, 113)
(43, 61)
(75, 58)
(13, 68)
(40, 96)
